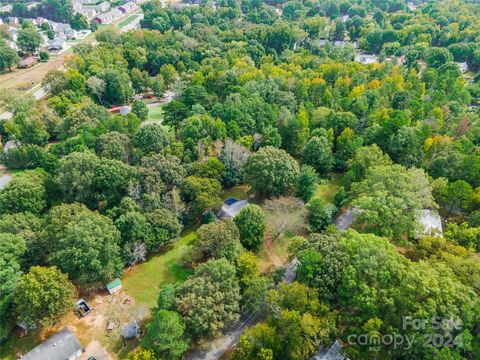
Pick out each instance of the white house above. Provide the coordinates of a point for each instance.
(431, 223)
(463, 66)
(366, 59)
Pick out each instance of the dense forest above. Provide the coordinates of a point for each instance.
(277, 96)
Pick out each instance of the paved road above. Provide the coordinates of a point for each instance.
(221, 345)
(345, 220)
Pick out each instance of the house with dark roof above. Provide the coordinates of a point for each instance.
(231, 207)
(62, 346)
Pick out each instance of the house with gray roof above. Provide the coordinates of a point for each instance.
(62, 346)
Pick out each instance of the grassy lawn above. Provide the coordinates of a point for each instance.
(143, 282)
(127, 20)
(239, 192)
(155, 113)
(326, 190)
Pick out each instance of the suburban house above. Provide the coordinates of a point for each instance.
(100, 8)
(114, 286)
(127, 7)
(62, 29)
(61, 346)
(56, 44)
(231, 207)
(108, 17)
(366, 59)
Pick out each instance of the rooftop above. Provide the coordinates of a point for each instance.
(114, 283)
(4, 180)
(231, 207)
(60, 346)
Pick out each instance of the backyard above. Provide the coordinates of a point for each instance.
(155, 113)
(134, 302)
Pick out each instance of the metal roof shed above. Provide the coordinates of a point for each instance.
(114, 286)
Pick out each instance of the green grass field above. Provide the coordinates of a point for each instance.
(155, 113)
(128, 20)
(326, 190)
(144, 281)
(239, 192)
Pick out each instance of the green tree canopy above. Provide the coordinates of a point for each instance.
(43, 295)
(251, 225)
(271, 172)
(166, 335)
(87, 246)
(25, 193)
(209, 300)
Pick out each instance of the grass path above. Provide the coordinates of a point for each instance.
(143, 281)
(326, 191)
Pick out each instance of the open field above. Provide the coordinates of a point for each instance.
(143, 281)
(24, 79)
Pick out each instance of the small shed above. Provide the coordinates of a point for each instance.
(114, 286)
(82, 308)
(63, 345)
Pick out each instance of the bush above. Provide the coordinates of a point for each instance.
(251, 225)
(320, 215)
(44, 56)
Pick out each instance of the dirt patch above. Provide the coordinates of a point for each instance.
(275, 259)
(96, 350)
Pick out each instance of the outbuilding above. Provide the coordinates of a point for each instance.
(114, 286)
